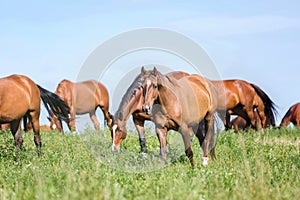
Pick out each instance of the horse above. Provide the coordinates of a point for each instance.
(181, 105)
(44, 127)
(131, 104)
(242, 98)
(4, 127)
(82, 98)
(20, 98)
(292, 116)
(240, 124)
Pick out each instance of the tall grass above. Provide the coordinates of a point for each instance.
(250, 166)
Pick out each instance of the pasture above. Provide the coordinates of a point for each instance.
(250, 166)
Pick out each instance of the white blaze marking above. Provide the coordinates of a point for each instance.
(148, 83)
(114, 133)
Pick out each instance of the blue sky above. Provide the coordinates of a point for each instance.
(258, 41)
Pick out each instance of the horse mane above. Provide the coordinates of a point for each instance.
(287, 115)
(135, 85)
(170, 79)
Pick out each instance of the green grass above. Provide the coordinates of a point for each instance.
(250, 166)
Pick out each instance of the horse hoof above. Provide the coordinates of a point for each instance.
(205, 161)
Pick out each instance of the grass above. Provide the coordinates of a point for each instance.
(250, 166)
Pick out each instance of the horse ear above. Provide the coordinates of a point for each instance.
(143, 71)
(155, 71)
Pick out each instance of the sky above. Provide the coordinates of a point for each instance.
(257, 41)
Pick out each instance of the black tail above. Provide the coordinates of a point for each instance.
(54, 104)
(270, 106)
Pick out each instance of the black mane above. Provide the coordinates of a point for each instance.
(135, 85)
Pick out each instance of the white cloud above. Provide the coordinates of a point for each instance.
(227, 26)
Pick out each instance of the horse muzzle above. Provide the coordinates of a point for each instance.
(146, 109)
(115, 148)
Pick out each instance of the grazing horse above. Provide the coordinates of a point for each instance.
(82, 98)
(20, 98)
(292, 116)
(242, 98)
(131, 104)
(181, 105)
(4, 127)
(240, 124)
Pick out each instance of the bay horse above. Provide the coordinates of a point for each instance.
(131, 104)
(242, 98)
(292, 116)
(20, 98)
(240, 124)
(4, 127)
(82, 98)
(181, 105)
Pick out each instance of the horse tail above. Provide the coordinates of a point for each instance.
(286, 117)
(54, 104)
(270, 106)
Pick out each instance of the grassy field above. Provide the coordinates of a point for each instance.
(250, 166)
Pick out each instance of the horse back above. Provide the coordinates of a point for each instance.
(18, 94)
(195, 96)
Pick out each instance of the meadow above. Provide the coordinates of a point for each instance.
(82, 166)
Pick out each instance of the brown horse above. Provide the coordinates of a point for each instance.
(292, 116)
(4, 127)
(131, 104)
(242, 98)
(45, 128)
(181, 105)
(19, 97)
(240, 124)
(82, 98)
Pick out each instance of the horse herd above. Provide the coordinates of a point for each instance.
(187, 103)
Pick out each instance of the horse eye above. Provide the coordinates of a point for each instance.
(155, 86)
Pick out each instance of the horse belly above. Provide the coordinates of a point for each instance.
(84, 107)
(13, 106)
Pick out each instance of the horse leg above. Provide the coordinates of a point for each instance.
(200, 134)
(250, 113)
(139, 125)
(162, 137)
(227, 121)
(209, 123)
(94, 120)
(187, 136)
(261, 117)
(15, 128)
(72, 121)
(36, 130)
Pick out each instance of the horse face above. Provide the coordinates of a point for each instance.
(117, 135)
(150, 95)
(55, 124)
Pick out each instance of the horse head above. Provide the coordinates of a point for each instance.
(55, 123)
(118, 132)
(151, 87)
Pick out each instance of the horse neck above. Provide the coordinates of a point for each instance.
(64, 89)
(167, 90)
(285, 121)
(220, 89)
(287, 118)
(127, 108)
